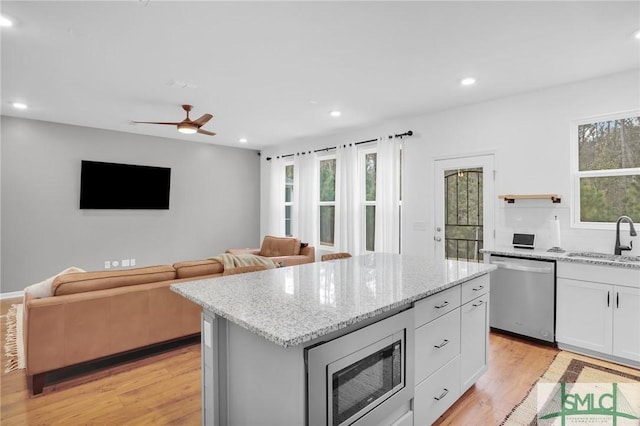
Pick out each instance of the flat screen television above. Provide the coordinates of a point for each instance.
(124, 186)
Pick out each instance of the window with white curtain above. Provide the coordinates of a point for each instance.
(327, 200)
(606, 165)
(288, 199)
(369, 160)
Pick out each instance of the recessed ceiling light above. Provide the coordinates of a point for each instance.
(468, 81)
(335, 113)
(5, 22)
(242, 140)
(19, 105)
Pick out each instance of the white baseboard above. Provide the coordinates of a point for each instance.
(12, 295)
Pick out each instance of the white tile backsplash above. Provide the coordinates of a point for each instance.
(533, 218)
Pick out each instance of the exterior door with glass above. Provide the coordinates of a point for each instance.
(464, 207)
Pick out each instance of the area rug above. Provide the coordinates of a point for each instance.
(14, 345)
(577, 389)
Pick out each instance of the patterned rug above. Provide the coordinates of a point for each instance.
(577, 390)
(14, 345)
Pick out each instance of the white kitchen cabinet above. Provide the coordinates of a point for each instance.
(451, 346)
(598, 311)
(474, 340)
(583, 316)
(626, 319)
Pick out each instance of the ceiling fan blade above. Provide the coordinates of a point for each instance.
(202, 120)
(206, 132)
(157, 122)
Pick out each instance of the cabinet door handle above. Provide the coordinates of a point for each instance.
(480, 302)
(617, 299)
(442, 305)
(444, 342)
(608, 297)
(480, 287)
(442, 395)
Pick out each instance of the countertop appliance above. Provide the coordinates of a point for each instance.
(523, 297)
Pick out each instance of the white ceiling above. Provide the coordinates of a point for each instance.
(272, 71)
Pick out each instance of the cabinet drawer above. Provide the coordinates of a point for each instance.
(474, 288)
(436, 343)
(433, 396)
(599, 273)
(436, 305)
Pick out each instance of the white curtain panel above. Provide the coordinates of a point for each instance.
(348, 235)
(305, 194)
(275, 221)
(387, 237)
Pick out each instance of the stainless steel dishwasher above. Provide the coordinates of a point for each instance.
(523, 297)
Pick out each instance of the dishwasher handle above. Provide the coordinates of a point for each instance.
(523, 268)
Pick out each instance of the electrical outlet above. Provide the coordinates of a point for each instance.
(115, 264)
(107, 264)
(132, 262)
(125, 263)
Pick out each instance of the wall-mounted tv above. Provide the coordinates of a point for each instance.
(124, 186)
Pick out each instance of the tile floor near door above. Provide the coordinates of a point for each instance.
(164, 389)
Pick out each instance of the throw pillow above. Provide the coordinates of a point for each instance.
(43, 288)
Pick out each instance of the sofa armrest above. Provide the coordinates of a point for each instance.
(255, 251)
(309, 251)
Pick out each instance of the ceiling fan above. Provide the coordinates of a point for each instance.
(187, 125)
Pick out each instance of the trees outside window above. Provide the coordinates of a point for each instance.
(288, 200)
(369, 202)
(327, 201)
(608, 169)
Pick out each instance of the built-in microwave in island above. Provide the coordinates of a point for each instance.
(365, 377)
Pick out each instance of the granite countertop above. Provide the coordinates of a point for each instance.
(603, 259)
(295, 304)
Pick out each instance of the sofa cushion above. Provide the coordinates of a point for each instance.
(91, 281)
(197, 268)
(44, 287)
(279, 246)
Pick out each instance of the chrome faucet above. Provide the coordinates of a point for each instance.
(632, 232)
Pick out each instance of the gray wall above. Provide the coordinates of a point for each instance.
(214, 205)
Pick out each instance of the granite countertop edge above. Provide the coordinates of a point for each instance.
(306, 337)
(561, 257)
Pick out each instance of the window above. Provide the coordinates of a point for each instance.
(606, 160)
(369, 202)
(288, 199)
(327, 201)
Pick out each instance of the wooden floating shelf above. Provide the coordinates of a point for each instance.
(511, 198)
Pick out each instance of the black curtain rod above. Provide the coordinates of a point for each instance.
(401, 135)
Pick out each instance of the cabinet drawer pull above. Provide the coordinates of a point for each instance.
(444, 342)
(480, 302)
(442, 305)
(442, 395)
(480, 287)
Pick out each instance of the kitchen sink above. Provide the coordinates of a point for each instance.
(604, 256)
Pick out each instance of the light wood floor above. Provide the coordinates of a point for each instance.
(164, 389)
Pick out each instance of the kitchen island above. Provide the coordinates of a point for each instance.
(260, 331)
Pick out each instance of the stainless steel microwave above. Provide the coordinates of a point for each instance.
(364, 377)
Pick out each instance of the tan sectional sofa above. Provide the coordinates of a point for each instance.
(94, 315)
(284, 250)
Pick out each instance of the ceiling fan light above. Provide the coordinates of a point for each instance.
(187, 129)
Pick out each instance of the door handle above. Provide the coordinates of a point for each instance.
(442, 395)
(444, 342)
(437, 238)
